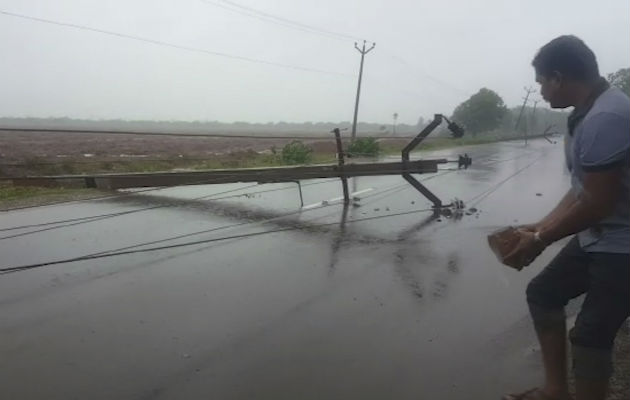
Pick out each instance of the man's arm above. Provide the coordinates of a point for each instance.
(565, 204)
(598, 199)
(602, 153)
(562, 207)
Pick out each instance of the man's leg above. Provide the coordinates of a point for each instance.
(605, 307)
(566, 277)
(552, 339)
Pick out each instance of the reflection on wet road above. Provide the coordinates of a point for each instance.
(378, 300)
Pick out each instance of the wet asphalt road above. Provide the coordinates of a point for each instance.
(399, 307)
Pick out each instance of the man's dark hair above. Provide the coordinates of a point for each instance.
(569, 56)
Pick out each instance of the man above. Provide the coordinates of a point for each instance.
(596, 210)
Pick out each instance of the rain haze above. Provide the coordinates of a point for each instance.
(188, 211)
(429, 56)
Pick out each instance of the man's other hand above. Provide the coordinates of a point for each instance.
(526, 251)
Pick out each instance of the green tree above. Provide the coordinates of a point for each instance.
(482, 112)
(367, 146)
(296, 152)
(621, 79)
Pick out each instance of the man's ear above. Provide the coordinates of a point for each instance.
(556, 79)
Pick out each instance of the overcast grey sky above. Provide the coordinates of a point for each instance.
(429, 56)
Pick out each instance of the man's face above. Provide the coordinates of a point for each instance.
(552, 90)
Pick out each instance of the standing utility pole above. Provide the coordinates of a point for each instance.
(529, 91)
(533, 117)
(363, 52)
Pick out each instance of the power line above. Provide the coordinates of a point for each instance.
(248, 11)
(172, 45)
(483, 195)
(79, 221)
(405, 186)
(197, 242)
(306, 175)
(274, 19)
(427, 75)
(119, 195)
(266, 220)
(394, 189)
(509, 159)
(313, 175)
(232, 3)
(479, 198)
(148, 208)
(93, 218)
(168, 239)
(111, 196)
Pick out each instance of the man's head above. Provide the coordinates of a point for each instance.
(563, 67)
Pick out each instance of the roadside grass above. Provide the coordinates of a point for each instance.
(11, 196)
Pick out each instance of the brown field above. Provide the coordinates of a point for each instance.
(44, 153)
(20, 146)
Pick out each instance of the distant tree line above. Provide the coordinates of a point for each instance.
(484, 112)
(621, 79)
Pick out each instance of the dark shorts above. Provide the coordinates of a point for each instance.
(604, 277)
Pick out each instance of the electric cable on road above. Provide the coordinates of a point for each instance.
(197, 242)
(480, 197)
(127, 194)
(123, 251)
(483, 195)
(93, 218)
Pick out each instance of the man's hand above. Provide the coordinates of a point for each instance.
(526, 251)
(528, 228)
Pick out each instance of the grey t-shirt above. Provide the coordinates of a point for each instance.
(601, 141)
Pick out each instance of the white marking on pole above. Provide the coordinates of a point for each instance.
(335, 199)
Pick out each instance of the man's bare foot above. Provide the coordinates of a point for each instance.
(534, 394)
